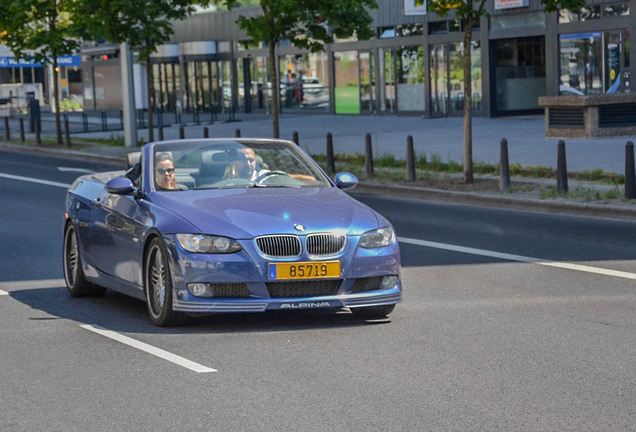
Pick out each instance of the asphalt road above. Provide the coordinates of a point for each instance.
(511, 321)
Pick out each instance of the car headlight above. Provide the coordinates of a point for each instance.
(380, 237)
(199, 243)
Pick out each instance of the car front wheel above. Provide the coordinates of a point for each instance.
(74, 277)
(158, 287)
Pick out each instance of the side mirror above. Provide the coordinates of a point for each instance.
(120, 186)
(345, 180)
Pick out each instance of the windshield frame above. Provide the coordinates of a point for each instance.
(188, 158)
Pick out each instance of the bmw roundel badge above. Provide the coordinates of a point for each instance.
(299, 227)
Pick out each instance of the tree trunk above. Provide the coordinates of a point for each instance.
(56, 101)
(275, 88)
(151, 135)
(468, 102)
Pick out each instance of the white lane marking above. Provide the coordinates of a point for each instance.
(34, 180)
(520, 258)
(30, 284)
(3, 293)
(80, 170)
(157, 352)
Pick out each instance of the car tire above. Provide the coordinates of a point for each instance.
(76, 282)
(372, 312)
(158, 286)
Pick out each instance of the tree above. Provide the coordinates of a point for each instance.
(307, 24)
(470, 11)
(40, 30)
(142, 24)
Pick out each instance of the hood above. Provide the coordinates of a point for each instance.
(248, 212)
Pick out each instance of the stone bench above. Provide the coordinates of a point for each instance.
(589, 116)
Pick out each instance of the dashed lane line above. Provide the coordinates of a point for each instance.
(157, 352)
(32, 284)
(34, 180)
(520, 258)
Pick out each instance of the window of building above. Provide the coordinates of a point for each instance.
(438, 27)
(520, 73)
(451, 26)
(410, 29)
(580, 68)
(594, 12)
(386, 32)
(530, 19)
(346, 88)
(410, 78)
(249, 45)
(594, 62)
(456, 64)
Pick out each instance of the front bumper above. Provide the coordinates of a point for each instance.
(250, 268)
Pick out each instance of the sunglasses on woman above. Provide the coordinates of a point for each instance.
(165, 170)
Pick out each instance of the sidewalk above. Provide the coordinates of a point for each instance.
(442, 138)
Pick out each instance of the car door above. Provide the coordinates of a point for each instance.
(117, 236)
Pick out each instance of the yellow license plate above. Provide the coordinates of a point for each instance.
(304, 270)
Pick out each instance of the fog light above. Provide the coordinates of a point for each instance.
(388, 282)
(198, 289)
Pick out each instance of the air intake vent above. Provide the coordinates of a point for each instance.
(316, 288)
(568, 117)
(325, 244)
(279, 245)
(229, 289)
(617, 115)
(367, 284)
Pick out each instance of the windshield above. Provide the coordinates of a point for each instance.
(215, 164)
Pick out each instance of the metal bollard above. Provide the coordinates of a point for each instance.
(562, 170)
(368, 156)
(7, 131)
(295, 137)
(630, 172)
(206, 132)
(504, 167)
(237, 133)
(181, 132)
(331, 163)
(22, 138)
(410, 159)
(38, 136)
(67, 131)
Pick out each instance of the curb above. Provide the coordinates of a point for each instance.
(62, 151)
(527, 204)
(365, 187)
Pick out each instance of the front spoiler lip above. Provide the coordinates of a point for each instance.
(260, 305)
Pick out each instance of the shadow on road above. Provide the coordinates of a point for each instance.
(121, 313)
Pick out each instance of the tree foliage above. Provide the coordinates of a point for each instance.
(41, 31)
(307, 24)
(470, 11)
(142, 24)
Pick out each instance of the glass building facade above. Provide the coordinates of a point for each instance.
(414, 65)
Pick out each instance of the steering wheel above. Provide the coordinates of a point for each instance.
(267, 174)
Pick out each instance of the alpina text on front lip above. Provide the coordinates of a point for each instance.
(305, 305)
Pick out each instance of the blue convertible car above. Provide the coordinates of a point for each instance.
(228, 225)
